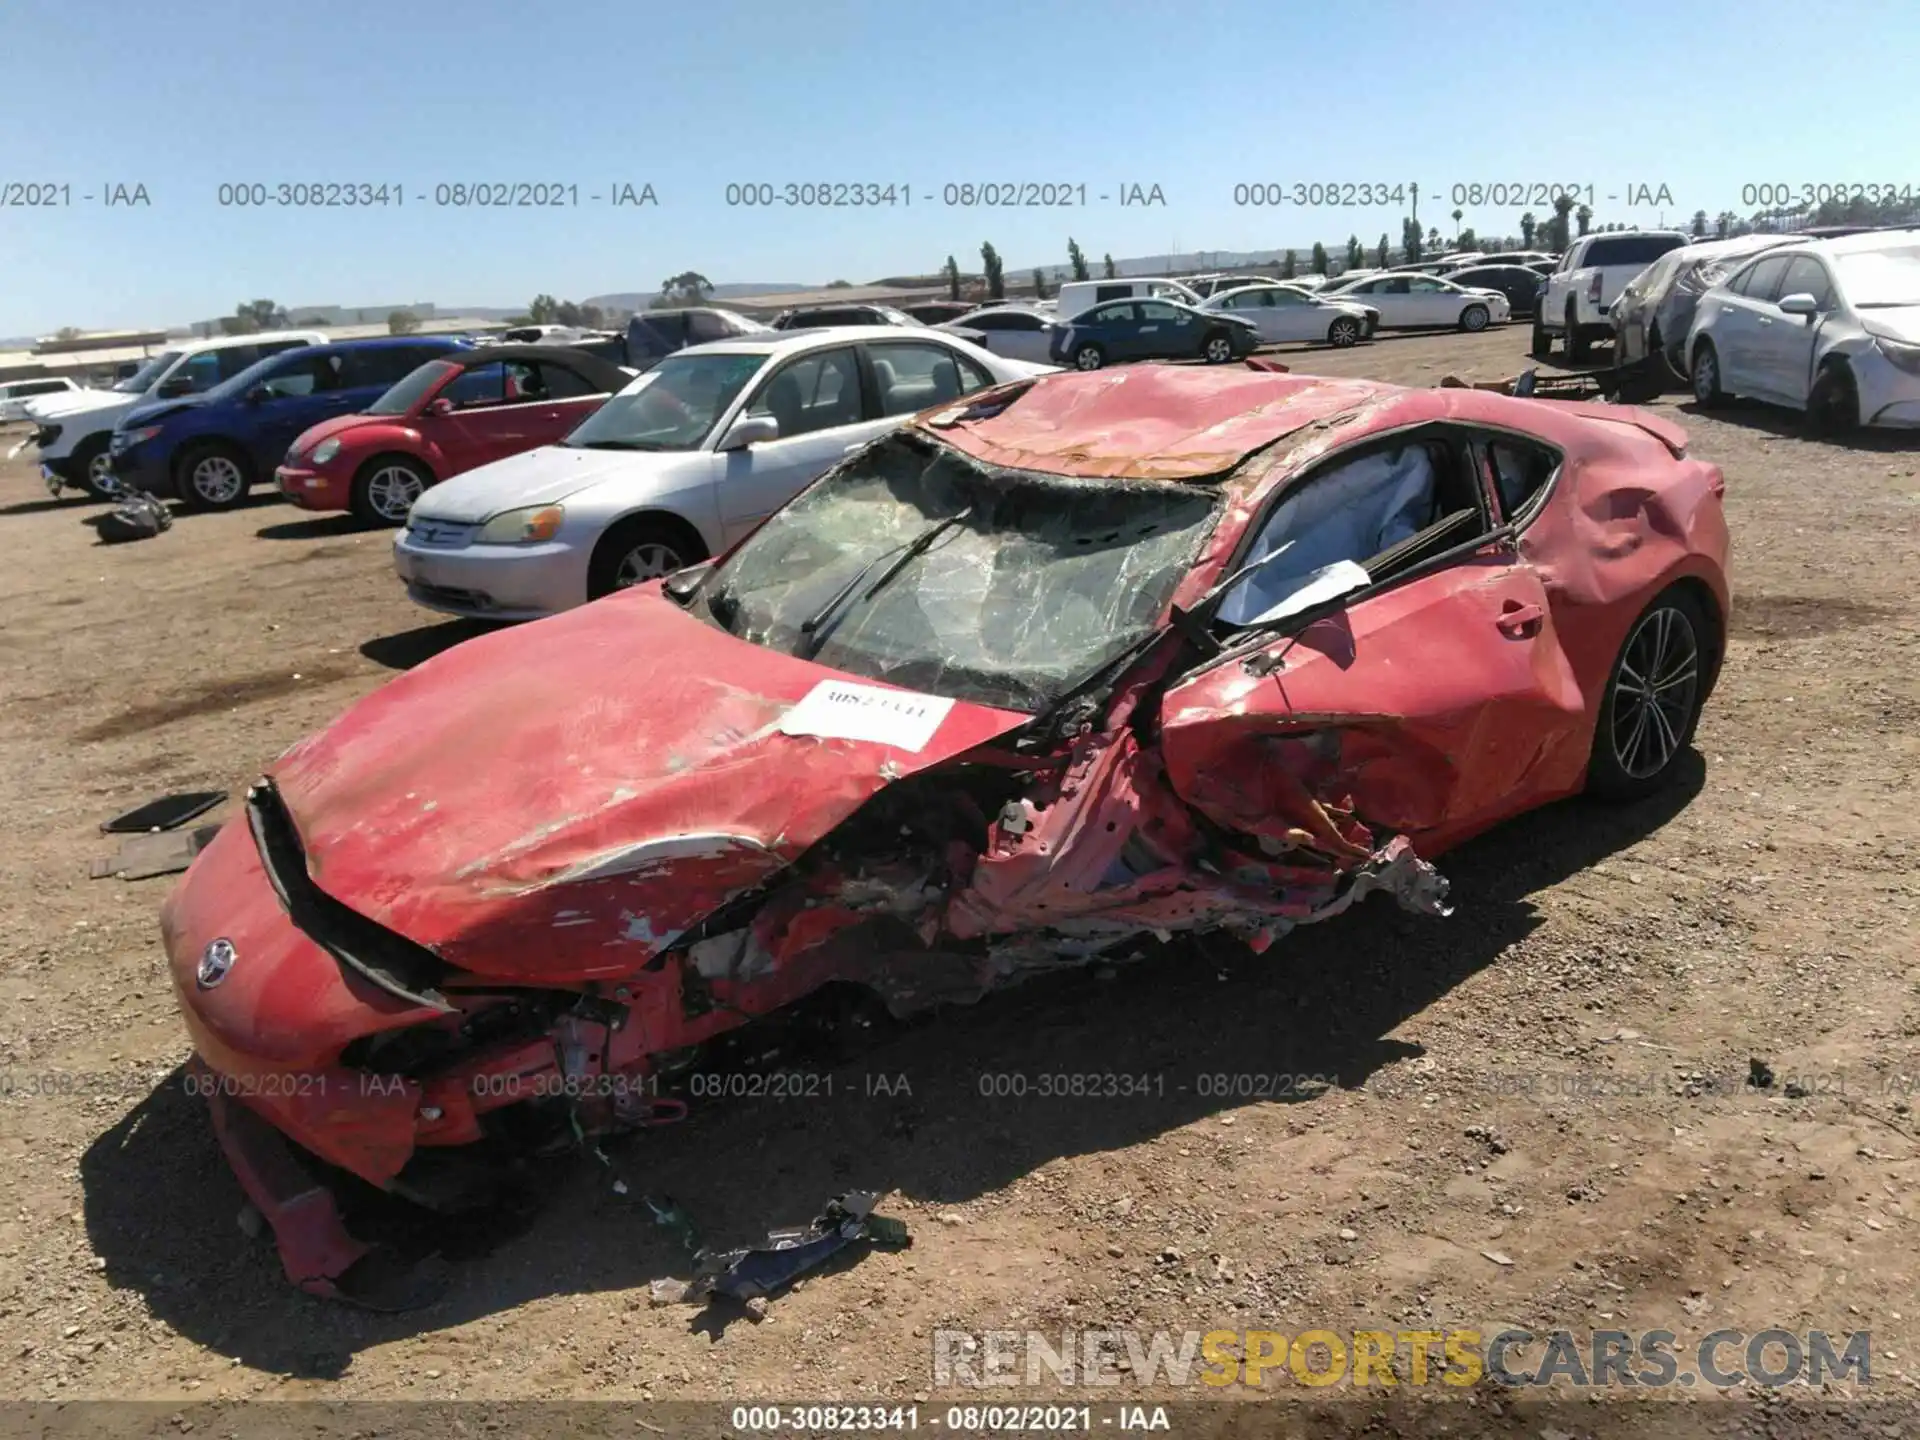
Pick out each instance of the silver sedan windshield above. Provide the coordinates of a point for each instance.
(674, 406)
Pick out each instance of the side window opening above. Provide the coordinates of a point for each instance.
(1520, 471)
(1382, 509)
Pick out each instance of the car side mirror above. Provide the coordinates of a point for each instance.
(439, 405)
(750, 430)
(1799, 303)
(171, 389)
(259, 395)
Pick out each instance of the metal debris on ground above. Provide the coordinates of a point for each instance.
(137, 517)
(163, 852)
(758, 1272)
(163, 813)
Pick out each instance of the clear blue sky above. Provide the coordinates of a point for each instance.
(1703, 96)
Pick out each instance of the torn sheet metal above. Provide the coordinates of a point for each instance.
(759, 1272)
(165, 852)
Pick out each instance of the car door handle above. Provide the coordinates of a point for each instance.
(1765, 320)
(1520, 619)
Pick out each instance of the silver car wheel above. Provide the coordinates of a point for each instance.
(391, 491)
(100, 474)
(217, 480)
(1654, 691)
(647, 562)
(1219, 350)
(1344, 333)
(1706, 376)
(1089, 358)
(1474, 318)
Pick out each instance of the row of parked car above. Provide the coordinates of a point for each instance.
(205, 420)
(1826, 325)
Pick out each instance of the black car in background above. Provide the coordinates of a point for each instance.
(652, 335)
(1151, 330)
(1518, 283)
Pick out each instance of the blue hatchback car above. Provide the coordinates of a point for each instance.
(207, 449)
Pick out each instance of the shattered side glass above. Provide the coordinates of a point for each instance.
(1044, 581)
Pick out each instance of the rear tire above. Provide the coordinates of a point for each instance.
(1653, 698)
(1705, 377)
(1089, 357)
(386, 487)
(1833, 404)
(1474, 319)
(1344, 333)
(1542, 346)
(1217, 349)
(1577, 343)
(641, 548)
(212, 476)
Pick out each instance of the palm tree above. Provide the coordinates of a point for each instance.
(1456, 225)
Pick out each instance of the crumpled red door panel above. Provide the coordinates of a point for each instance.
(1441, 705)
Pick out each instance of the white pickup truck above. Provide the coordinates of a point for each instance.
(1573, 306)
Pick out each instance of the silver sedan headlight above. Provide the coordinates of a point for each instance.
(530, 526)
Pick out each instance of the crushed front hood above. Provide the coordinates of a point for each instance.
(557, 801)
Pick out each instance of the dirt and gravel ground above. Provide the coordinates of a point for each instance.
(1622, 966)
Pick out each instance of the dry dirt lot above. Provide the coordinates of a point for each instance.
(1623, 965)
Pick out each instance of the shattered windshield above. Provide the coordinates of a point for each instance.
(1036, 585)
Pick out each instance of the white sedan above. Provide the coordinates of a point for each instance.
(1421, 302)
(1283, 313)
(1019, 332)
(1831, 328)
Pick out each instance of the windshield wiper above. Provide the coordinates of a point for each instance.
(614, 445)
(815, 626)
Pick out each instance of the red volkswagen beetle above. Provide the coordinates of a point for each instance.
(450, 415)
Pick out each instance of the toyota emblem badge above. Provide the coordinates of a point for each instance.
(215, 961)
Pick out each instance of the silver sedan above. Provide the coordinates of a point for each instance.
(678, 466)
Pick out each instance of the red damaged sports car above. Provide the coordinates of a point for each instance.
(451, 415)
(1150, 650)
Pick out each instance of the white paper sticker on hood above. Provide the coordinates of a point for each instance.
(840, 710)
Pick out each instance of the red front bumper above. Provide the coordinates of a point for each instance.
(272, 1030)
(312, 489)
(315, 1248)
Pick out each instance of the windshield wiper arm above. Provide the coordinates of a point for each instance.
(816, 624)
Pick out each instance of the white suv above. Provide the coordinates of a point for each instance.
(73, 430)
(1590, 276)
